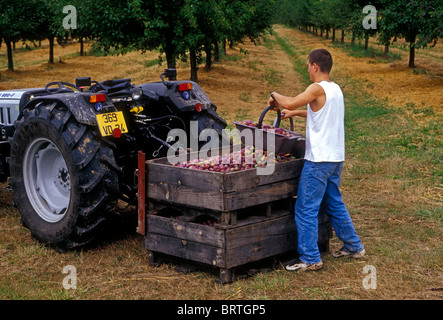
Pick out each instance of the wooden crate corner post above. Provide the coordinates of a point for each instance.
(141, 193)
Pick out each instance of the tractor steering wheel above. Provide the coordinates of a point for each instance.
(61, 87)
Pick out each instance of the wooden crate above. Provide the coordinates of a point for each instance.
(254, 215)
(227, 246)
(221, 192)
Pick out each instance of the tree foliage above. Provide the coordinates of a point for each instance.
(178, 28)
(419, 22)
(19, 20)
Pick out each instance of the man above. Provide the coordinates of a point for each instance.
(324, 157)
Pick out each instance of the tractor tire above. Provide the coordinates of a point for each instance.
(63, 176)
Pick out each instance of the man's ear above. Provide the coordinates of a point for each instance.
(316, 67)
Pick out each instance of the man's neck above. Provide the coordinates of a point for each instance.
(321, 77)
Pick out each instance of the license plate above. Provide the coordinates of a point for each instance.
(108, 122)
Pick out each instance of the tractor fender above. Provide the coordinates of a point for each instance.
(77, 103)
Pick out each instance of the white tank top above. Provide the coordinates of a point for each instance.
(325, 130)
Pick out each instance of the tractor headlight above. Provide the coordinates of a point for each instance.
(137, 94)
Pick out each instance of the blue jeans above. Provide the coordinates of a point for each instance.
(319, 182)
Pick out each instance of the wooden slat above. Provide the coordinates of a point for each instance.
(260, 194)
(260, 249)
(186, 249)
(260, 240)
(266, 230)
(247, 179)
(186, 195)
(186, 231)
(165, 173)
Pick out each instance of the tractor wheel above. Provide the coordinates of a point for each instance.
(64, 180)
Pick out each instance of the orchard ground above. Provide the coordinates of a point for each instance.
(392, 179)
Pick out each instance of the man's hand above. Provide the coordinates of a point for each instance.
(286, 113)
(273, 102)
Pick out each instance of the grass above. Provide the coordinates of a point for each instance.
(153, 62)
(358, 50)
(433, 213)
(299, 57)
(273, 77)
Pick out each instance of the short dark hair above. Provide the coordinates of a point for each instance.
(322, 58)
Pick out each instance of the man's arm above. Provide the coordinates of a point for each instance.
(291, 103)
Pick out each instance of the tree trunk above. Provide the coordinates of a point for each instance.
(342, 36)
(386, 49)
(366, 41)
(170, 57)
(412, 55)
(51, 50)
(353, 38)
(333, 34)
(208, 51)
(82, 47)
(411, 40)
(216, 52)
(194, 68)
(10, 60)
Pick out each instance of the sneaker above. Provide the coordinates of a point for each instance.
(343, 253)
(302, 266)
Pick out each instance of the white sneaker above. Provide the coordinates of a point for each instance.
(302, 266)
(343, 253)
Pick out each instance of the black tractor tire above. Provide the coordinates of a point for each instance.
(63, 176)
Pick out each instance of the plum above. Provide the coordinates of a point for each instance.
(245, 159)
(266, 127)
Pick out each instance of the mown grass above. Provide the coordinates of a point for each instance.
(298, 55)
(358, 50)
(376, 130)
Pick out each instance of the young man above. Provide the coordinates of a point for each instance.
(324, 157)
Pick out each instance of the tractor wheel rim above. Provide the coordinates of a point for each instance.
(47, 180)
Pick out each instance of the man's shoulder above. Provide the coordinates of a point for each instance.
(328, 85)
(316, 88)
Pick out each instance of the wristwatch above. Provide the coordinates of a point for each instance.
(272, 95)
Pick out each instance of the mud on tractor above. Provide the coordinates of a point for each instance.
(70, 150)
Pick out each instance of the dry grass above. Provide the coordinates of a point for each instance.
(393, 81)
(393, 194)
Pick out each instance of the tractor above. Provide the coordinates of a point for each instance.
(69, 150)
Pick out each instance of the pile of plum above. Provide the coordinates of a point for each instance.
(267, 127)
(246, 158)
